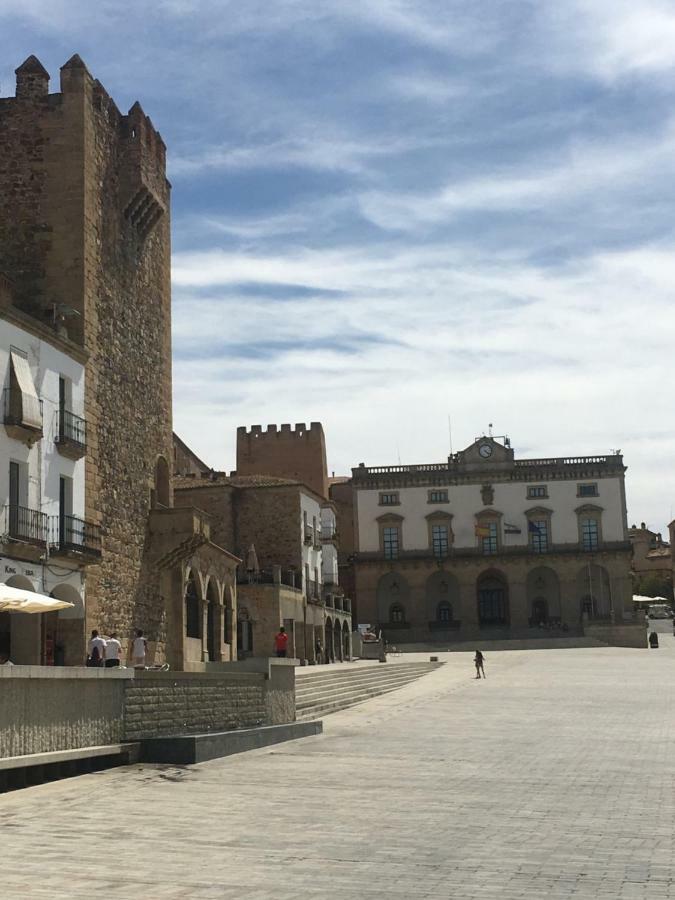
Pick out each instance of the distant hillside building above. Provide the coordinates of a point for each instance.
(487, 545)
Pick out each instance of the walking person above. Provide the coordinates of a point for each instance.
(318, 652)
(139, 648)
(281, 642)
(95, 651)
(113, 650)
(478, 662)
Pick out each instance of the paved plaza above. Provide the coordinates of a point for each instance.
(554, 777)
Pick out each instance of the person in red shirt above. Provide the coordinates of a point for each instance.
(281, 642)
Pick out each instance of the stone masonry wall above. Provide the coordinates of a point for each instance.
(297, 453)
(41, 712)
(217, 501)
(159, 704)
(84, 222)
(270, 518)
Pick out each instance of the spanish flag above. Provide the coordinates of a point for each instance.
(482, 531)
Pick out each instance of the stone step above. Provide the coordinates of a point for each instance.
(349, 697)
(340, 694)
(303, 676)
(328, 693)
(327, 706)
(303, 693)
(330, 688)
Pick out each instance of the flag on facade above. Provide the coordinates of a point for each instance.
(482, 531)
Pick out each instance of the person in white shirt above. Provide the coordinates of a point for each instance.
(96, 650)
(139, 648)
(113, 649)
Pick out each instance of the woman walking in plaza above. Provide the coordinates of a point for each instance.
(478, 662)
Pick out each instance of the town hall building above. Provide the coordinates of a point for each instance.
(489, 545)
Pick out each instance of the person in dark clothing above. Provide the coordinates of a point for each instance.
(478, 662)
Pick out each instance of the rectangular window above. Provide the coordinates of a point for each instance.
(389, 499)
(537, 490)
(538, 529)
(590, 537)
(489, 541)
(587, 490)
(438, 496)
(390, 541)
(439, 540)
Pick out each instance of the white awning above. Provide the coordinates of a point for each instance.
(31, 416)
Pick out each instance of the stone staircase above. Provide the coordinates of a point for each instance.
(320, 692)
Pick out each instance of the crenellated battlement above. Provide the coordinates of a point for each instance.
(298, 431)
(136, 128)
(285, 451)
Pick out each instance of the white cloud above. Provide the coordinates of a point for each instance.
(565, 360)
(611, 38)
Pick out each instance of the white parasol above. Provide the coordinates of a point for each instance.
(17, 600)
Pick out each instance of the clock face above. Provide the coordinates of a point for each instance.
(485, 451)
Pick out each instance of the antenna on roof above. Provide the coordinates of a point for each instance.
(490, 429)
(450, 432)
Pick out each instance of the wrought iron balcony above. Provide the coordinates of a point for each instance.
(309, 534)
(71, 434)
(71, 535)
(27, 525)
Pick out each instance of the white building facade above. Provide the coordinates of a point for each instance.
(490, 544)
(45, 543)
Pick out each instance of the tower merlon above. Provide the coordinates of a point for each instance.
(32, 79)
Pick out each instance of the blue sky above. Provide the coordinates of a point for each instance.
(390, 212)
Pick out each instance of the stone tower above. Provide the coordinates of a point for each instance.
(286, 453)
(85, 239)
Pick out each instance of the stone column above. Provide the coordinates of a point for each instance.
(204, 609)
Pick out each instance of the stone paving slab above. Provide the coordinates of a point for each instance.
(554, 777)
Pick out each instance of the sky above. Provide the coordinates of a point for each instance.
(407, 220)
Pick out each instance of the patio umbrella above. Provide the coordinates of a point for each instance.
(17, 600)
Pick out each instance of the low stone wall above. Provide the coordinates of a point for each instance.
(44, 709)
(166, 703)
(628, 635)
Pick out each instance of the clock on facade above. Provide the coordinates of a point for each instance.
(485, 450)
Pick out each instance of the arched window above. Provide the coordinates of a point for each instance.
(444, 612)
(396, 614)
(193, 617)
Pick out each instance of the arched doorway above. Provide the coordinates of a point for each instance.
(594, 591)
(493, 600)
(543, 597)
(346, 641)
(244, 633)
(23, 633)
(212, 629)
(193, 617)
(442, 598)
(330, 648)
(337, 641)
(392, 590)
(69, 636)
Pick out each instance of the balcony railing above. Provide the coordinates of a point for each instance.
(28, 525)
(287, 577)
(71, 534)
(328, 532)
(309, 534)
(71, 429)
